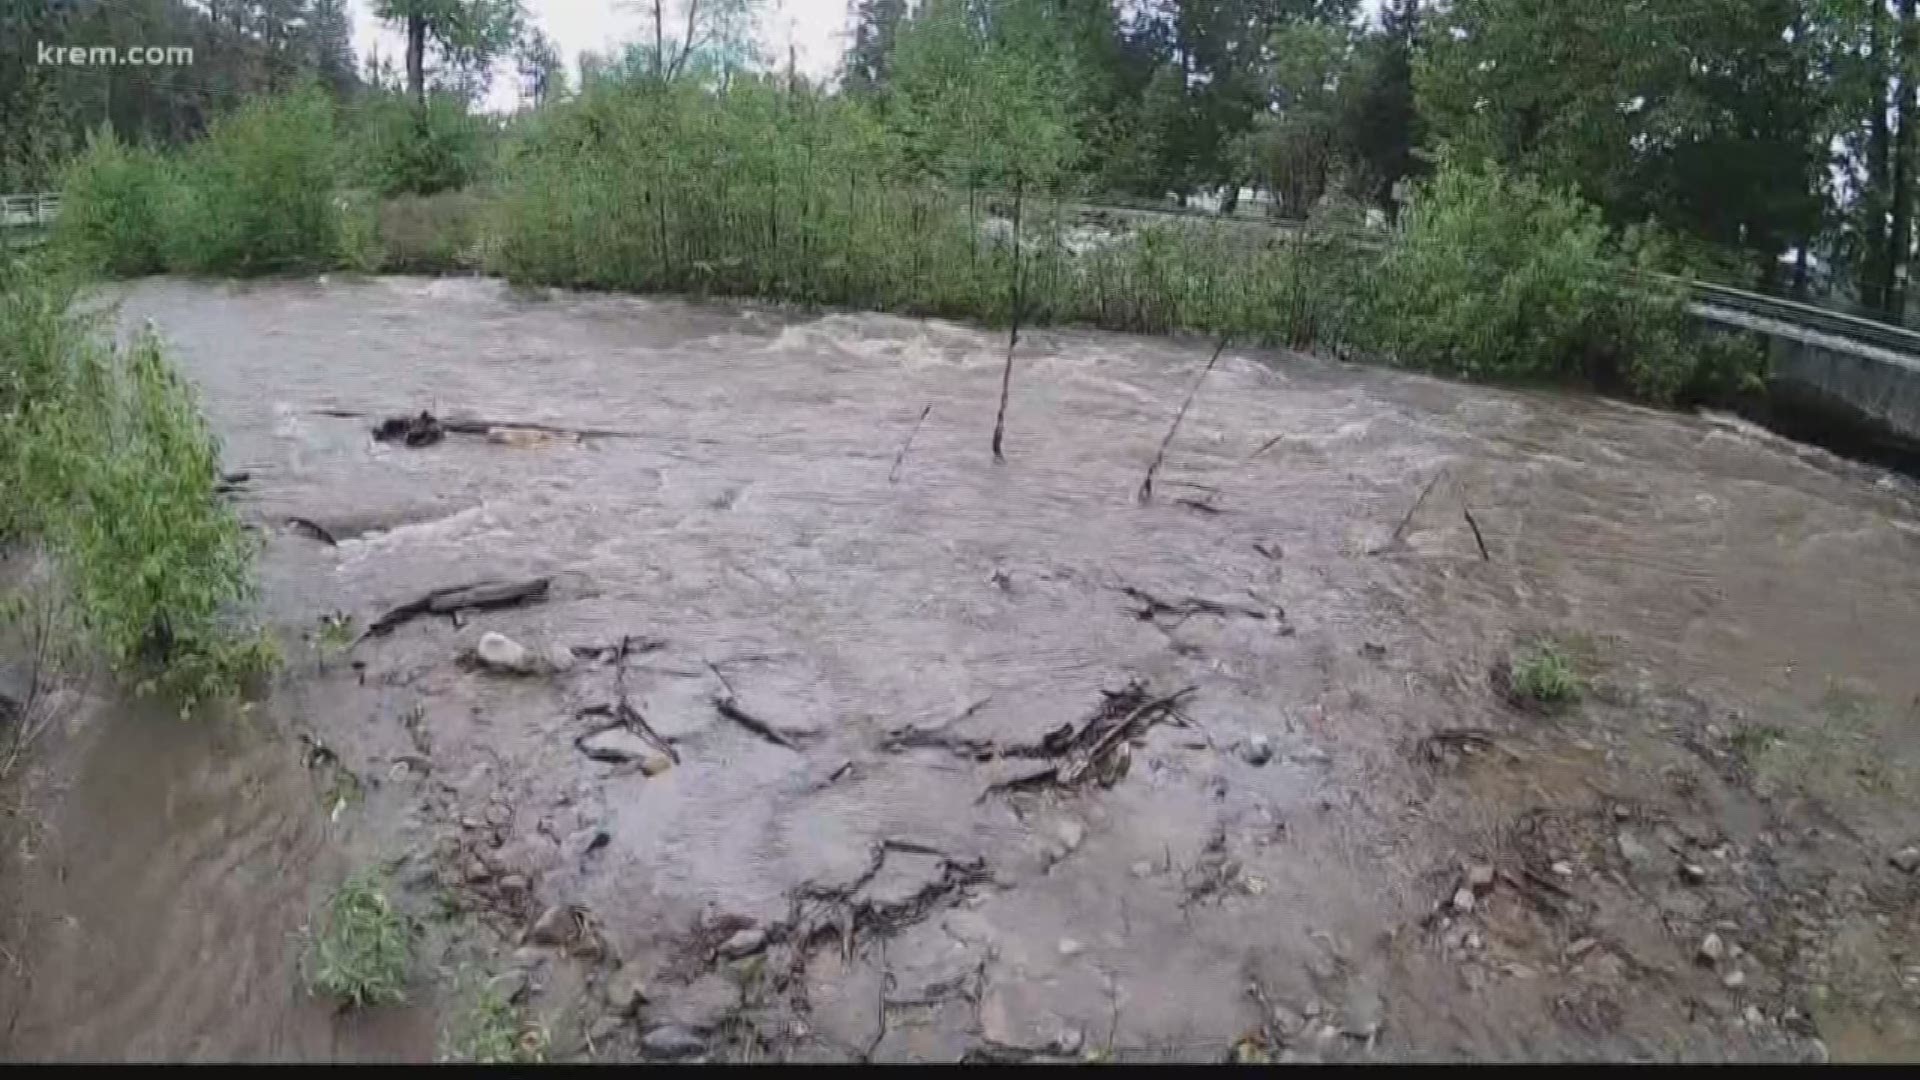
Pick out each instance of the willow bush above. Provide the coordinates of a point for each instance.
(110, 468)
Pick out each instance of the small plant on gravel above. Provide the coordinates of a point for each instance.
(361, 948)
(1544, 677)
(492, 1031)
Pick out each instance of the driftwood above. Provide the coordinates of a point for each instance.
(312, 529)
(1096, 747)
(894, 472)
(727, 704)
(469, 425)
(1153, 607)
(483, 594)
(1401, 529)
(1146, 484)
(1013, 335)
(1477, 538)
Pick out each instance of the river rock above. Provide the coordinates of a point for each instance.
(501, 653)
(1637, 854)
(743, 943)
(511, 985)
(1257, 751)
(671, 1041)
(554, 926)
(1907, 859)
(626, 992)
(1712, 949)
(615, 744)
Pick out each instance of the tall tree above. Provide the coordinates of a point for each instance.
(698, 37)
(876, 23)
(1697, 115)
(467, 35)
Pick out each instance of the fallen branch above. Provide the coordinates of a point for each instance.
(1146, 483)
(1266, 446)
(1400, 529)
(1153, 607)
(480, 595)
(472, 425)
(623, 709)
(908, 445)
(1477, 538)
(1013, 335)
(1200, 505)
(313, 530)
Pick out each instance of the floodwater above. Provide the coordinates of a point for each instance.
(912, 624)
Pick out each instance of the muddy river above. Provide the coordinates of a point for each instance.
(939, 757)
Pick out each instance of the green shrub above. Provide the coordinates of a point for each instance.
(1543, 676)
(113, 202)
(1498, 277)
(491, 1031)
(107, 462)
(429, 234)
(397, 148)
(360, 948)
(258, 194)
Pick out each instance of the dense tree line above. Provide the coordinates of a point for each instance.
(1776, 139)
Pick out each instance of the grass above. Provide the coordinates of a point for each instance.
(493, 1031)
(360, 948)
(1545, 677)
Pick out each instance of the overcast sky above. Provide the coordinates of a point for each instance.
(817, 29)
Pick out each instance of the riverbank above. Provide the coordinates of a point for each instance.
(1343, 841)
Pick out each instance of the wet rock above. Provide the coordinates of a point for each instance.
(501, 653)
(499, 814)
(511, 985)
(1637, 854)
(514, 885)
(604, 1029)
(554, 926)
(1580, 947)
(1068, 1042)
(625, 992)
(1463, 900)
(743, 943)
(1734, 980)
(670, 1041)
(1480, 877)
(1907, 859)
(584, 842)
(615, 744)
(1070, 948)
(558, 659)
(1257, 751)
(1712, 950)
(1563, 869)
(653, 763)
(1311, 755)
(700, 1005)
(476, 871)
(1693, 873)
(1143, 869)
(1069, 833)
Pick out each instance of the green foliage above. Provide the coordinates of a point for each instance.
(108, 463)
(491, 1031)
(399, 148)
(258, 194)
(113, 202)
(360, 947)
(1499, 277)
(1543, 676)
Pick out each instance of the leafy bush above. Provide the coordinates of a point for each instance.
(258, 193)
(1544, 677)
(360, 949)
(1499, 277)
(398, 148)
(113, 202)
(491, 1031)
(107, 462)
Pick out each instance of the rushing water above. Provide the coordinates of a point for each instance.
(757, 515)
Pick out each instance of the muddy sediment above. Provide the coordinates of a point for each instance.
(823, 750)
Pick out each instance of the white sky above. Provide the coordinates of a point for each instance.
(817, 29)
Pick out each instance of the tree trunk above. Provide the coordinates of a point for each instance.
(1874, 268)
(1900, 227)
(417, 59)
(659, 39)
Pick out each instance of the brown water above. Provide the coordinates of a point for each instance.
(1709, 577)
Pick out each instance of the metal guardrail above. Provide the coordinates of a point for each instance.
(29, 211)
